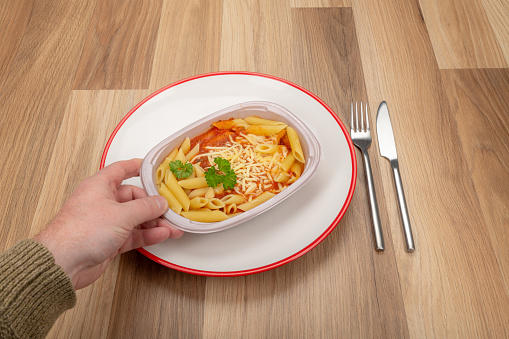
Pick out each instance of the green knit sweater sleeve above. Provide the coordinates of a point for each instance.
(34, 291)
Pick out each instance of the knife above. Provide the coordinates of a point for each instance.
(388, 150)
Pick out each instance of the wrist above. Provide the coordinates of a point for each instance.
(59, 252)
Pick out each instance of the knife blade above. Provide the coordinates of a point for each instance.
(387, 147)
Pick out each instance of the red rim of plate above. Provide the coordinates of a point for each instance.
(277, 263)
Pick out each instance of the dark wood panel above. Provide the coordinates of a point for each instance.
(13, 22)
(152, 301)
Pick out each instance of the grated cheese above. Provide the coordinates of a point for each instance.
(253, 169)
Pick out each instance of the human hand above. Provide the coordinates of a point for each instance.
(103, 218)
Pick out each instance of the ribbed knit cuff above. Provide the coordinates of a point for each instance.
(34, 291)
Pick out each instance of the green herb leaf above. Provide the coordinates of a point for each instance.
(226, 175)
(181, 170)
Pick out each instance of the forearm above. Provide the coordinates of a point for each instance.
(34, 291)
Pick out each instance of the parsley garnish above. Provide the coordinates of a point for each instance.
(225, 175)
(180, 170)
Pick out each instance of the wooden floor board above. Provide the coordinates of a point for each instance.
(497, 12)
(74, 159)
(13, 22)
(120, 44)
(319, 3)
(461, 34)
(432, 163)
(480, 105)
(188, 41)
(178, 315)
(51, 43)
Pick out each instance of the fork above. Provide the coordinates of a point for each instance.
(361, 137)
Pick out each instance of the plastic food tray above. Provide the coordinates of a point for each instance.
(263, 109)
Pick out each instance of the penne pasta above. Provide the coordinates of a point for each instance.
(172, 155)
(282, 177)
(260, 121)
(258, 158)
(198, 202)
(266, 149)
(180, 156)
(215, 204)
(231, 209)
(288, 162)
(193, 183)
(199, 192)
(161, 171)
(209, 194)
(256, 201)
(264, 129)
(295, 144)
(199, 171)
(233, 199)
(296, 169)
(192, 153)
(205, 216)
(173, 202)
(186, 146)
(172, 184)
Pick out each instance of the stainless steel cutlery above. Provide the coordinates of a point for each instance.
(361, 137)
(387, 147)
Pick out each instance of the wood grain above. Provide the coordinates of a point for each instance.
(12, 21)
(461, 34)
(497, 12)
(188, 41)
(448, 223)
(319, 3)
(93, 115)
(33, 100)
(118, 51)
(479, 102)
(69, 71)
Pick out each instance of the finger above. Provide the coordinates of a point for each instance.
(175, 232)
(130, 192)
(120, 170)
(150, 224)
(142, 238)
(142, 210)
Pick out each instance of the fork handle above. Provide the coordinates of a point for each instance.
(379, 239)
(409, 239)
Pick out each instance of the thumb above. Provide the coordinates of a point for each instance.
(145, 209)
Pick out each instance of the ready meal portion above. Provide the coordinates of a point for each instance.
(233, 167)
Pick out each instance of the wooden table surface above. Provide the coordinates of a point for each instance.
(70, 70)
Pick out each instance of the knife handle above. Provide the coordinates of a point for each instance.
(379, 239)
(410, 246)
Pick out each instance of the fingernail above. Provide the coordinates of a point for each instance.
(162, 203)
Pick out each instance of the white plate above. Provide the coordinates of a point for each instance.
(276, 237)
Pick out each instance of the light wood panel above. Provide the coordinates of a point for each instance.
(119, 48)
(497, 12)
(188, 41)
(319, 3)
(443, 277)
(461, 34)
(257, 37)
(33, 100)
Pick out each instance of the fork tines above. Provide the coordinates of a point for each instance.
(362, 128)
